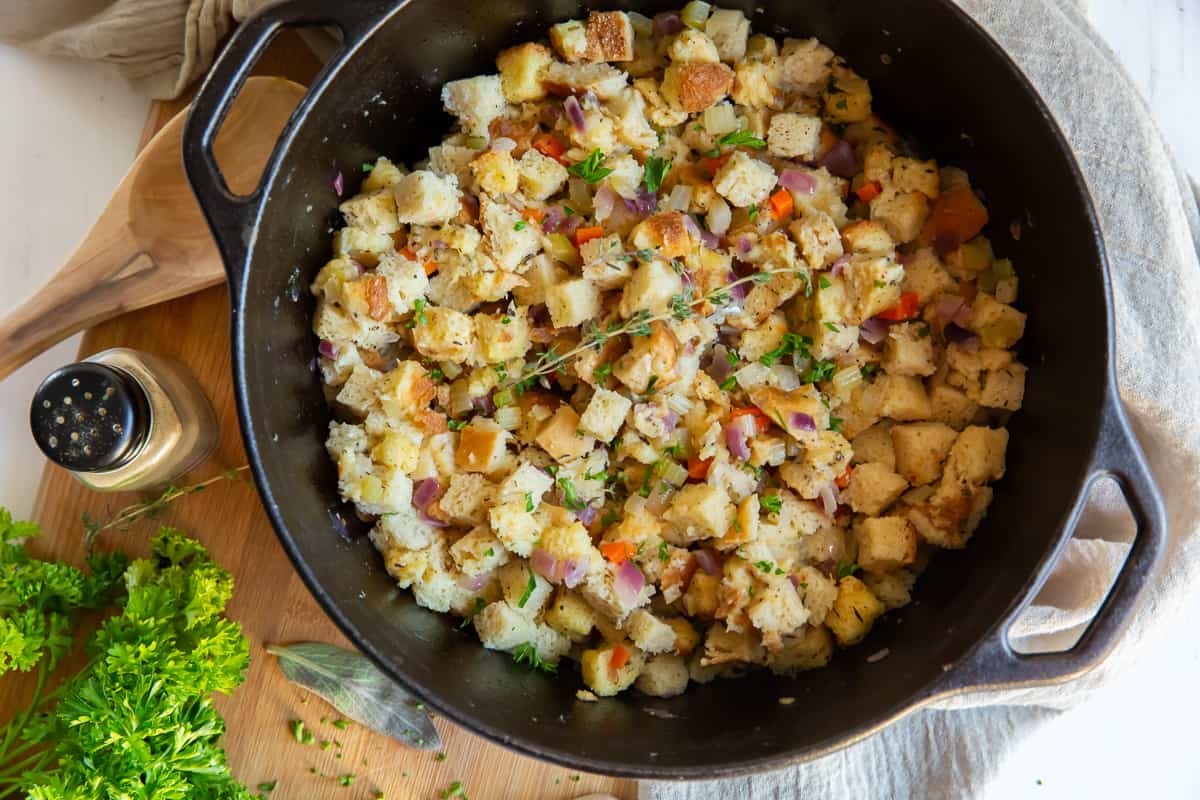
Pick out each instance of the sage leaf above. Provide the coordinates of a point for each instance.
(355, 687)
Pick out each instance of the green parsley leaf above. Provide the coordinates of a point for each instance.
(529, 587)
(880, 284)
(656, 171)
(650, 384)
(835, 424)
(742, 138)
(764, 566)
(823, 282)
(520, 226)
(440, 757)
(570, 495)
(732, 357)
(341, 724)
(506, 320)
(455, 790)
(753, 211)
(268, 786)
(418, 314)
(501, 372)
(347, 779)
(570, 212)
(590, 168)
(456, 424)
(831, 326)
(867, 370)
(436, 373)
(529, 501)
(772, 503)
(367, 166)
(663, 553)
(602, 372)
(729, 384)
(819, 371)
(846, 569)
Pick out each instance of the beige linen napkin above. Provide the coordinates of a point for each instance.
(1152, 230)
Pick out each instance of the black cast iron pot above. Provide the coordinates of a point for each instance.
(947, 84)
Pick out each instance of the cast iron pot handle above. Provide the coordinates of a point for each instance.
(230, 216)
(995, 665)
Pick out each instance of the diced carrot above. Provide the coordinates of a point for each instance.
(585, 235)
(956, 214)
(711, 165)
(829, 140)
(534, 215)
(781, 204)
(698, 467)
(430, 267)
(905, 309)
(617, 552)
(761, 420)
(869, 191)
(843, 480)
(408, 253)
(619, 658)
(549, 145)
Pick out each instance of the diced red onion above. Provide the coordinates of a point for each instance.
(737, 290)
(829, 500)
(339, 184)
(838, 265)
(840, 160)
(425, 493)
(689, 223)
(947, 306)
(904, 259)
(797, 180)
(744, 246)
(575, 113)
(963, 316)
(646, 202)
(794, 580)
(670, 420)
(720, 369)
(707, 562)
(359, 269)
(737, 435)
(802, 421)
(874, 330)
(430, 521)
(710, 240)
(687, 279)
(587, 514)
(544, 564)
(569, 224)
(504, 144)
(484, 404)
(474, 583)
(573, 572)
(327, 349)
(603, 203)
(553, 219)
(667, 23)
(590, 101)
(959, 335)
(628, 583)
(680, 199)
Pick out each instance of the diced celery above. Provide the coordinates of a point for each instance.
(559, 247)
(695, 14)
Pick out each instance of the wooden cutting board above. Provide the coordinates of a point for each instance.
(269, 600)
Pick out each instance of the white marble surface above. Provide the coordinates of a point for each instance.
(69, 133)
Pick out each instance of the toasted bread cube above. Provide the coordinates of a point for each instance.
(692, 45)
(911, 175)
(563, 438)
(977, 456)
(373, 213)
(729, 31)
(524, 590)
(804, 67)
(743, 180)
(903, 398)
(609, 36)
(540, 176)
(406, 281)
(383, 174)
(825, 458)
(572, 303)
(602, 677)
(872, 286)
(951, 406)
(902, 213)
(482, 446)
(603, 80)
(426, 198)
(908, 350)
(811, 647)
(362, 246)
(445, 335)
(873, 487)
(570, 541)
(927, 276)
(570, 39)
(998, 325)
(502, 627)
(521, 72)
(605, 414)
(854, 611)
(893, 588)
(755, 84)
(702, 596)
(693, 86)
(846, 98)
(819, 239)
(478, 552)
(495, 171)
(570, 615)
(454, 161)
(502, 337)
(868, 237)
(651, 288)
(665, 232)
(467, 499)
(920, 449)
(700, 511)
(756, 342)
(687, 638)
(475, 101)
(951, 515)
(777, 611)
(664, 675)
(885, 543)
(794, 136)
(515, 527)
(526, 479)
(1004, 388)
(650, 633)
(875, 444)
(541, 272)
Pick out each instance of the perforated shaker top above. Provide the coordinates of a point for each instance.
(89, 417)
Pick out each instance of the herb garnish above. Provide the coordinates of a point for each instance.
(742, 138)
(590, 168)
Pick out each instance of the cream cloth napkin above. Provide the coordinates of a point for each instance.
(1151, 227)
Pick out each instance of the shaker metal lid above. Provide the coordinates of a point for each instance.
(89, 417)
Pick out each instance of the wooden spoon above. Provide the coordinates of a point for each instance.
(151, 242)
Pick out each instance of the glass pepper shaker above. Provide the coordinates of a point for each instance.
(124, 420)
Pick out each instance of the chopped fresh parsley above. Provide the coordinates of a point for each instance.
(764, 566)
(505, 320)
(501, 372)
(742, 139)
(418, 314)
(440, 757)
(729, 384)
(663, 555)
(772, 503)
(456, 424)
(529, 501)
(846, 568)
(527, 654)
(831, 326)
(340, 724)
(823, 282)
(656, 171)
(835, 424)
(302, 734)
(347, 779)
(455, 790)
(529, 587)
(436, 373)
(570, 495)
(791, 344)
(590, 168)
(602, 372)
(570, 212)
(818, 371)
(520, 226)
(732, 357)
(268, 786)
(491, 551)
(867, 370)
(650, 384)
(880, 284)
(753, 211)
(367, 166)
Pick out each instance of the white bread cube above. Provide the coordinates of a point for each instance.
(501, 340)
(700, 511)
(600, 265)
(692, 45)
(875, 444)
(755, 84)
(811, 647)
(516, 578)
(877, 162)
(902, 213)
(563, 438)
(908, 350)
(502, 627)
(541, 272)
(687, 638)
(570, 542)
(515, 527)
(951, 406)
(570, 615)
(873, 487)
(666, 232)
(446, 335)
(482, 446)
(817, 591)
(903, 398)
(920, 449)
(603, 80)
(478, 552)
(701, 599)
(454, 161)
(495, 171)
(550, 644)
(399, 449)
(893, 588)
(572, 303)
(777, 611)
(628, 112)
(854, 611)
(998, 325)
(475, 101)
(951, 515)
(885, 543)
(825, 459)
(382, 175)
(651, 288)
(846, 98)
(794, 136)
(744, 181)
(819, 239)
(664, 675)
(511, 237)
(521, 72)
(406, 281)
(927, 276)
(426, 198)
(729, 30)
(977, 456)
(872, 286)
(605, 680)
(1004, 388)
(526, 479)
(723, 645)
(650, 633)
(373, 213)
(570, 39)
(467, 499)
(756, 342)
(804, 66)
(540, 176)
(869, 237)
(362, 246)
(605, 414)
(911, 175)
(360, 393)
